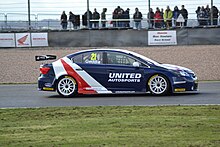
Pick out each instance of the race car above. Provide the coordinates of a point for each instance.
(107, 71)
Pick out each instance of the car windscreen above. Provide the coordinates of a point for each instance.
(150, 61)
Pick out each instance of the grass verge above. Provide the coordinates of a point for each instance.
(111, 126)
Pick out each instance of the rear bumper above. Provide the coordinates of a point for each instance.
(46, 84)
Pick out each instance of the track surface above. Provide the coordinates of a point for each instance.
(28, 96)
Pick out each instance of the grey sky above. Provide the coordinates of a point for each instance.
(79, 6)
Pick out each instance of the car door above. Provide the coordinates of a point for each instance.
(93, 69)
(121, 75)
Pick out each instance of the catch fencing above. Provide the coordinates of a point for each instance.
(16, 21)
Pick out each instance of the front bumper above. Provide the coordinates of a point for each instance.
(182, 84)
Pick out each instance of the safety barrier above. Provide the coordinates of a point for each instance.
(117, 38)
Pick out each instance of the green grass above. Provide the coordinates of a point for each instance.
(192, 126)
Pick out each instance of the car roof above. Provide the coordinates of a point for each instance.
(104, 49)
(116, 50)
(101, 49)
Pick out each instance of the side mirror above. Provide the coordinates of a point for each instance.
(136, 64)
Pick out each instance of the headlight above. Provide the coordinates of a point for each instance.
(184, 74)
(181, 73)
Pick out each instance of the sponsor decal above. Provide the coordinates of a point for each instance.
(92, 61)
(180, 90)
(48, 84)
(125, 77)
(162, 38)
(48, 88)
(125, 91)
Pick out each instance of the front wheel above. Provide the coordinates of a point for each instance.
(67, 86)
(158, 85)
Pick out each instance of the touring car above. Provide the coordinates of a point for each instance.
(107, 71)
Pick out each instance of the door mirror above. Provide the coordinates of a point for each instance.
(136, 64)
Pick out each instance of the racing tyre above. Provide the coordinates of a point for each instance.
(158, 85)
(67, 86)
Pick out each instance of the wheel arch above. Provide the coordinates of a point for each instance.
(66, 76)
(162, 74)
(61, 76)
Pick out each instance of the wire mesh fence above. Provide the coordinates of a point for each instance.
(52, 22)
(46, 14)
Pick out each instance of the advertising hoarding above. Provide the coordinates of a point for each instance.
(162, 37)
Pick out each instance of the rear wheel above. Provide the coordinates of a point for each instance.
(67, 86)
(158, 85)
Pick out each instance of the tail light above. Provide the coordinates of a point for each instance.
(44, 70)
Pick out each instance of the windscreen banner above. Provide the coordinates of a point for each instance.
(7, 40)
(162, 37)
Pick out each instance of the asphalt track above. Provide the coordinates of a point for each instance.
(26, 95)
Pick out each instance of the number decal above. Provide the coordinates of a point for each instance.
(93, 56)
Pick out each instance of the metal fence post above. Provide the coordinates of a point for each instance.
(6, 21)
(29, 16)
(211, 12)
(88, 19)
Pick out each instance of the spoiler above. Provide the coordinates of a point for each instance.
(45, 57)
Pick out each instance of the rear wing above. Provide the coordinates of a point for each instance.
(45, 57)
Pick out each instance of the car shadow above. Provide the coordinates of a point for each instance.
(147, 95)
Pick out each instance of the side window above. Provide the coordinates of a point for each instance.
(77, 58)
(89, 58)
(119, 58)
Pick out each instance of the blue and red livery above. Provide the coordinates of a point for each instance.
(105, 71)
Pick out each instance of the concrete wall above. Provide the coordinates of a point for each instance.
(123, 38)
(204, 36)
(98, 38)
